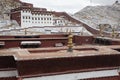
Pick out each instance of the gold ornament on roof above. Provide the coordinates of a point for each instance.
(70, 42)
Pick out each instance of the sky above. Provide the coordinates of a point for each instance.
(70, 6)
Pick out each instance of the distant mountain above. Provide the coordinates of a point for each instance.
(95, 15)
(7, 5)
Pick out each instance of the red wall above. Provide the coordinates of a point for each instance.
(1, 37)
(13, 43)
(78, 40)
(16, 16)
(46, 42)
(107, 78)
(27, 4)
(65, 65)
(10, 78)
(7, 62)
(52, 36)
(51, 40)
(106, 41)
(115, 42)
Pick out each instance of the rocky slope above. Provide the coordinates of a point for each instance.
(96, 15)
(7, 5)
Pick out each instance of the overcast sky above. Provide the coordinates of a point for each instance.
(70, 6)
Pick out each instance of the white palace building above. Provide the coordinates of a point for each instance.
(40, 20)
(31, 16)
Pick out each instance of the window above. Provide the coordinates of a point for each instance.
(32, 18)
(2, 44)
(8, 15)
(30, 44)
(23, 17)
(44, 18)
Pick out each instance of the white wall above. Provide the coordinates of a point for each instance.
(12, 73)
(34, 21)
(78, 76)
(74, 29)
(59, 29)
(26, 22)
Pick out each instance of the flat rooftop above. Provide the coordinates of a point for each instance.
(60, 52)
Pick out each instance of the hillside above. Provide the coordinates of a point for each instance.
(6, 6)
(96, 15)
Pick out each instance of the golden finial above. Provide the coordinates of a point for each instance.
(70, 42)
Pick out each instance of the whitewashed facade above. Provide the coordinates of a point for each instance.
(76, 30)
(79, 76)
(11, 73)
(31, 16)
(29, 19)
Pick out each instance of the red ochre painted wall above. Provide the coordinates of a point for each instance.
(46, 40)
(106, 78)
(9, 78)
(78, 40)
(50, 40)
(16, 16)
(115, 42)
(57, 65)
(7, 62)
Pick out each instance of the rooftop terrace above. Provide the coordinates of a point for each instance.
(89, 54)
(60, 52)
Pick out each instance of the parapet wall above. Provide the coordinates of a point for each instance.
(66, 65)
(51, 40)
(46, 40)
(79, 40)
(7, 62)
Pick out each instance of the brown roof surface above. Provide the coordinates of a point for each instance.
(59, 52)
(83, 58)
(4, 39)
